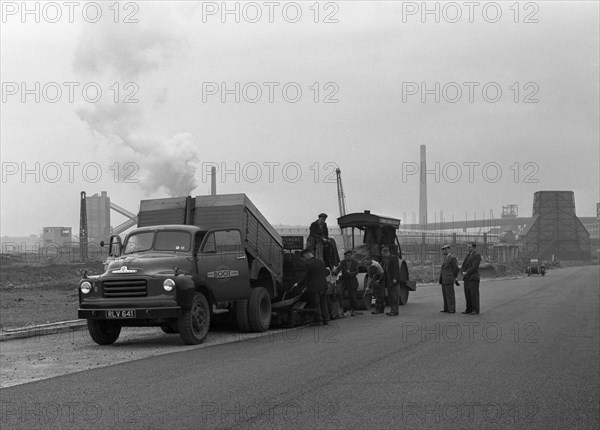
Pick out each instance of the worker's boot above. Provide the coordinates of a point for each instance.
(379, 308)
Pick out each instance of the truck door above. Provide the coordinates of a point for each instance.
(222, 260)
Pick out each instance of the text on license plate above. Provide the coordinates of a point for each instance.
(125, 313)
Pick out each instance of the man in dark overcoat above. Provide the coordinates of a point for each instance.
(315, 279)
(349, 269)
(447, 279)
(471, 278)
(391, 278)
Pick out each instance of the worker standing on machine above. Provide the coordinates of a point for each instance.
(318, 237)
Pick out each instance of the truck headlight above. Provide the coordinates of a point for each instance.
(168, 284)
(85, 287)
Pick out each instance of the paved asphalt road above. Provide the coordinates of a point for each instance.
(529, 361)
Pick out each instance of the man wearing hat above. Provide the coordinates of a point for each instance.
(349, 268)
(447, 279)
(315, 279)
(471, 278)
(375, 272)
(318, 236)
(391, 278)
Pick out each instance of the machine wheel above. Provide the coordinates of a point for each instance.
(194, 323)
(403, 287)
(259, 309)
(403, 293)
(241, 316)
(169, 328)
(104, 332)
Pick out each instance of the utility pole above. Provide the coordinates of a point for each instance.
(83, 237)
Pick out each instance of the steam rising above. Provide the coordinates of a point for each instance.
(128, 53)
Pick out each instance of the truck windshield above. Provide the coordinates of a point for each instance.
(164, 241)
(172, 241)
(139, 242)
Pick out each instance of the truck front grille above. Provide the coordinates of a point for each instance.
(125, 288)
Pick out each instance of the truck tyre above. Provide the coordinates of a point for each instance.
(104, 332)
(259, 309)
(194, 323)
(241, 316)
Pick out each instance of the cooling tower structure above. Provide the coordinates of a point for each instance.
(554, 230)
(98, 217)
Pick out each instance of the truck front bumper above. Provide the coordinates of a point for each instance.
(140, 313)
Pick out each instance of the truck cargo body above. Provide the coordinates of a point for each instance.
(259, 239)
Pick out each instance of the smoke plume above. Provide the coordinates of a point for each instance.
(131, 53)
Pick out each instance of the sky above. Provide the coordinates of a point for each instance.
(140, 99)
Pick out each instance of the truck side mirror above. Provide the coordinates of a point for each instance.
(102, 243)
(115, 246)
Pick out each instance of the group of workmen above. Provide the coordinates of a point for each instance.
(316, 275)
(384, 276)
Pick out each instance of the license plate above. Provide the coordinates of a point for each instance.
(125, 313)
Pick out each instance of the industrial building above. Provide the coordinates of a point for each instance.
(57, 236)
(98, 217)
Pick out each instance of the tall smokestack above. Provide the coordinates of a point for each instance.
(213, 181)
(423, 189)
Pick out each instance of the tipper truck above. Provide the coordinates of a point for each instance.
(188, 258)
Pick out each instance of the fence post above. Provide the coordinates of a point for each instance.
(485, 246)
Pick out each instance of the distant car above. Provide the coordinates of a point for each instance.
(535, 268)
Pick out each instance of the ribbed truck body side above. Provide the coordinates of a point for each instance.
(237, 211)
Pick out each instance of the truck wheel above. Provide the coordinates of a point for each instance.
(194, 323)
(403, 293)
(104, 332)
(241, 316)
(259, 309)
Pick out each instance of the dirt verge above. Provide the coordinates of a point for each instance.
(31, 295)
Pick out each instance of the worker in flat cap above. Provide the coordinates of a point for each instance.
(315, 280)
(447, 279)
(375, 272)
(349, 269)
(318, 236)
